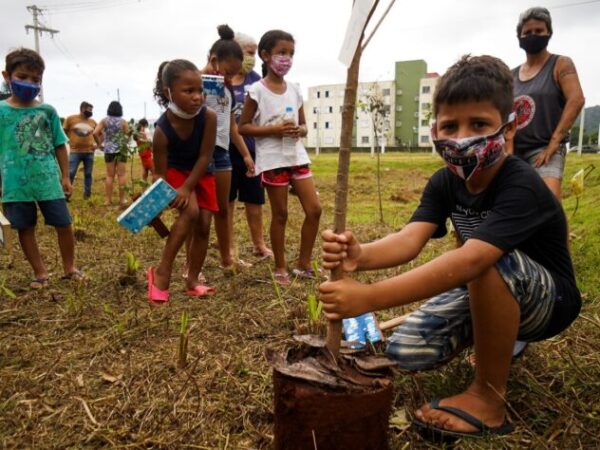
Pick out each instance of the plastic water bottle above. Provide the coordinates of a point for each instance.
(289, 143)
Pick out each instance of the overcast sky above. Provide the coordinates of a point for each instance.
(105, 45)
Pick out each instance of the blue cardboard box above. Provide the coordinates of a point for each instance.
(139, 214)
(213, 85)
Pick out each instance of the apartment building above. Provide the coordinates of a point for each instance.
(426, 89)
(401, 100)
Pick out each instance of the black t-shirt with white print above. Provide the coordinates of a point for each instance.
(516, 211)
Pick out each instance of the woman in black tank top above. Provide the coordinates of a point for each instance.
(548, 98)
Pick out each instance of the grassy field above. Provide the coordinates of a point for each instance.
(94, 365)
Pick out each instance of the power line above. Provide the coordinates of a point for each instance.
(87, 7)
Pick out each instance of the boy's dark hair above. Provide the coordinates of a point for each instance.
(168, 72)
(85, 105)
(24, 57)
(226, 47)
(114, 109)
(268, 41)
(479, 79)
(537, 13)
(143, 123)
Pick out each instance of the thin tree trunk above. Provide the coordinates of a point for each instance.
(334, 329)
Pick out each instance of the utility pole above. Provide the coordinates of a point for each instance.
(38, 29)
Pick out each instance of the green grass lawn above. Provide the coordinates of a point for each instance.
(95, 366)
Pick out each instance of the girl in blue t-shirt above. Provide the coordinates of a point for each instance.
(183, 145)
(225, 59)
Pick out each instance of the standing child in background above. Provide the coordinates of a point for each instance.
(183, 144)
(144, 145)
(248, 190)
(225, 59)
(32, 143)
(274, 115)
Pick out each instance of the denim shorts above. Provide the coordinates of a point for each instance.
(23, 215)
(553, 168)
(441, 327)
(221, 160)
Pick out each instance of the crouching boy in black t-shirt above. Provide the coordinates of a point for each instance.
(512, 277)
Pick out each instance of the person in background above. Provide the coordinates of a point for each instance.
(548, 98)
(112, 131)
(225, 59)
(144, 146)
(80, 131)
(247, 190)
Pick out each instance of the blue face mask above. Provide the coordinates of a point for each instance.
(25, 91)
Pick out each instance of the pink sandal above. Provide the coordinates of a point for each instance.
(200, 291)
(155, 295)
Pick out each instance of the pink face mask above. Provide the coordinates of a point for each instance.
(280, 64)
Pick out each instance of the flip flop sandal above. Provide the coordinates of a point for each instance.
(309, 274)
(283, 279)
(156, 295)
(200, 291)
(437, 434)
(77, 275)
(262, 255)
(38, 283)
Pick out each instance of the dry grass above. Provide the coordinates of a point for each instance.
(94, 365)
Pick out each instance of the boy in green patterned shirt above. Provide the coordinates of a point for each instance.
(34, 164)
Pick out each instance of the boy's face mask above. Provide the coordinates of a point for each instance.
(281, 64)
(466, 157)
(25, 91)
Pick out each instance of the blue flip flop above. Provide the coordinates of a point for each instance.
(437, 434)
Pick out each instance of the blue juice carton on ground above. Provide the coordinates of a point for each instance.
(139, 214)
(362, 329)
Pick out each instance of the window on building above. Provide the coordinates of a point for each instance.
(326, 94)
(425, 106)
(399, 92)
(315, 125)
(424, 122)
(326, 124)
(424, 139)
(315, 110)
(398, 123)
(386, 109)
(416, 113)
(318, 94)
(331, 109)
(364, 140)
(386, 92)
(426, 90)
